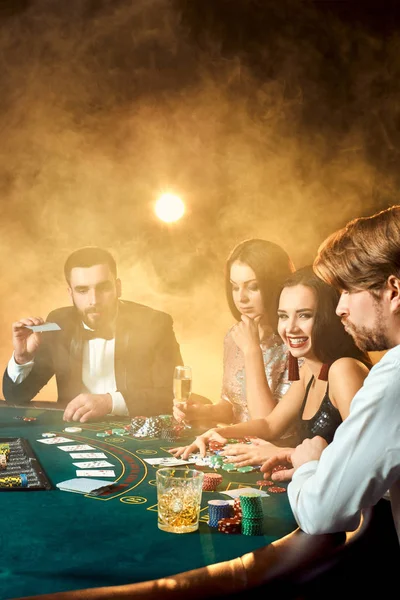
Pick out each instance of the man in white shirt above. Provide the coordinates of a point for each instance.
(109, 357)
(332, 484)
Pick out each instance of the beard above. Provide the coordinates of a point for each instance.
(104, 320)
(370, 339)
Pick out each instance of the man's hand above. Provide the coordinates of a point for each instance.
(25, 341)
(246, 334)
(200, 443)
(310, 449)
(284, 457)
(88, 407)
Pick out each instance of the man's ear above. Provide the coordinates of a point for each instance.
(393, 288)
(118, 286)
(70, 293)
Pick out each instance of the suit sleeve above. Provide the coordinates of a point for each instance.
(42, 370)
(156, 399)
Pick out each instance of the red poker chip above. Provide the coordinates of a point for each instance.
(264, 482)
(229, 525)
(211, 481)
(276, 489)
(280, 468)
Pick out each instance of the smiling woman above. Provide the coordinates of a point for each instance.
(255, 374)
(319, 399)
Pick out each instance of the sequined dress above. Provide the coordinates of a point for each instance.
(234, 377)
(325, 421)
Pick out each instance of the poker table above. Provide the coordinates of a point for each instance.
(55, 541)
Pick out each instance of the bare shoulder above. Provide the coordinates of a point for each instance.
(346, 366)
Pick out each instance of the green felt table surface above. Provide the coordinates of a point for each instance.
(56, 541)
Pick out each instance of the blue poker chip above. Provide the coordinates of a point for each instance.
(24, 480)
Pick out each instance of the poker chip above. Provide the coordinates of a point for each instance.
(3, 462)
(137, 423)
(103, 434)
(151, 428)
(237, 509)
(5, 450)
(251, 506)
(229, 467)
(280, 468)
(48, 434)
(14, 481)
(216, 461)
(73, 429)
(214, 446)
(217, 510)
(264, 482)
(229, 525)
(252, 526)
(246, 469)
(276, 489)
(211, 481)
(29, 419)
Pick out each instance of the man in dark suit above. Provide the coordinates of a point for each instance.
(109, 357)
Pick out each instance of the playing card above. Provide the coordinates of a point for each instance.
(78, 447)
(95, 473)
(236, 493)
(165, 461)
(93, 464)
(88, 455)
(55, 440)
(44, 327)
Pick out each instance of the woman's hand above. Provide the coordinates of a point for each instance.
(242, 455)
(200, 444)
(194, 408)
(246, 334)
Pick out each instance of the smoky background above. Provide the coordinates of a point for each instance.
(276, 120)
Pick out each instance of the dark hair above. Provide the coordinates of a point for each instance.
(330, 340)
(271, 266)
(88, 257)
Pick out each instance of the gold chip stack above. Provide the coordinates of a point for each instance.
(4, 455)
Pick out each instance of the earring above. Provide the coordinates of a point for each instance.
(323, 374)
(293, 368)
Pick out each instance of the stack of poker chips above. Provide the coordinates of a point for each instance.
(215, 446)
(216, 462)
(4, 455)
(237, 509)
(233, 523)
(252, 514)
(217, 510)
(14, 481)
(229, 525)
(137, 423)
(169, 431)
(151, 428)
(211, 481)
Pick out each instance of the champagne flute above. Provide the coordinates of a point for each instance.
(182, 386)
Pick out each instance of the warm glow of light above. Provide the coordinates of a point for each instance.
(169, 208)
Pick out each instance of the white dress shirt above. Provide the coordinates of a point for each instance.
(361, 463)
(98, 372)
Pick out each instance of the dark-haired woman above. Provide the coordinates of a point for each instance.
(319, 398)
(255, 368)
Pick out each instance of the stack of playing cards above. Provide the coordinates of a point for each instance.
(85, 485)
